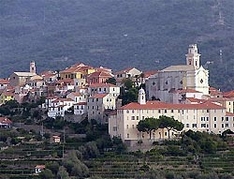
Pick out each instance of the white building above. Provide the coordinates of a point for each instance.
(206, 116)
(58, 106)
(103, 98)
(189, 76)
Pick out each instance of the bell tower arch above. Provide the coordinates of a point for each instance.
(193, 57)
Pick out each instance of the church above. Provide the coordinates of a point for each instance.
(192, 76)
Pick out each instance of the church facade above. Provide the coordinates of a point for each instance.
(178, 77)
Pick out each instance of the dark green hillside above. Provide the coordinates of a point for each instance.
(117, 34)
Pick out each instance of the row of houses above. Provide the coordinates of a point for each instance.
(79, 91)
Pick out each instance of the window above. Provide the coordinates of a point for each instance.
(165, 133)
(226, 118)
(159, 111)
(187, 125)
(226, 125)
(127, 135)
(214, 125)
(194, 125)
(165, 111)
(127, 126)
(133, 126)
(137, 118)
(214, 118)
(114, 128)
(133, 117)
(172, 111)
(203, 125)
(132, 111)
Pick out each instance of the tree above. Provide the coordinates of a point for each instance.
(111, 80)
(46, 174)
(170, 124)
(148, 125)
(62, 173)
(128, 83)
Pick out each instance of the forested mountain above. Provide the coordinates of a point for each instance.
(147, 34)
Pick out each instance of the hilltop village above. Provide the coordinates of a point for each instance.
(84, 92)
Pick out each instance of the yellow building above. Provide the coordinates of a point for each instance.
(77, 71)
(6, 96)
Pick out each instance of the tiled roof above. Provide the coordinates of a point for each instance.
(229, 114)
(81, 103)
(4, 120)
(149, 73)
(99, 74)
(99, 96)
(4, 81)
(151, 105)
(40, 166)
(214, 92)
(195, 100)
(229, 94)
(97, 85)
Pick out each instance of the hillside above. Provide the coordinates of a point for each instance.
(117, 34)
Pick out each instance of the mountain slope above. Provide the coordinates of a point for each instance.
(117, 34)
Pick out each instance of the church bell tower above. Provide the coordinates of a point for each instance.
(32, 67)
(193, 57)
(141, 96)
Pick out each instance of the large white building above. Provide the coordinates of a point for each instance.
(206, 116)
(190, 76)
(102, 100)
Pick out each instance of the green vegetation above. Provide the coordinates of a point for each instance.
(150, 124)
(117, 34)
(87, 151)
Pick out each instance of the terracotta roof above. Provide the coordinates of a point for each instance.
(40, 166)
(151, 105)
(8, 93)
(5, 121)
(229, 94)
(195, 100)
(4, 81)
(81, 103)
(214, 92)
(99, 96)
(149, 73)
(108, 70)
(229, 114)
(99, 74)
(96, 85)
